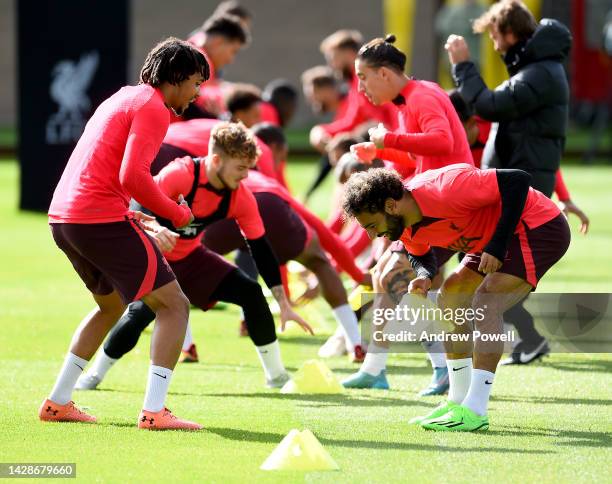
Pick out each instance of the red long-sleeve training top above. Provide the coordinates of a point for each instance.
(111, 162)
(428, 127)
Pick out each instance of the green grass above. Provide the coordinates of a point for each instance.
(550, 421)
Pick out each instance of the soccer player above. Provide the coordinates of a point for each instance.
(243, 101)
(340, 51)
(220, 39)
(295, 233)
(429, 126)
(511, 234)
(279, 102)
(108, 245)
(231, 7)
(430, 136)
(216, 191)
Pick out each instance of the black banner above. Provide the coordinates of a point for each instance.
(72, 54)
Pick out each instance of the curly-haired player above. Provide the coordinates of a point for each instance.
(511, 235)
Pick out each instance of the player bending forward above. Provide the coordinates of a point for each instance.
(216, 191)
(511, 234)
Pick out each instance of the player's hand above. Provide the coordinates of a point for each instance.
(419, 286)
(457, 48)
(319, 138)
(183, 202)
(489, 263)
(377, 135)
(165, 239)
(288, 314)
(141, 217)
(568, 207)
(366, 152)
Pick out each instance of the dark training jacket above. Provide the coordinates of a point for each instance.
(531, 107)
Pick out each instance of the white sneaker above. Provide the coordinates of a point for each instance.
(334, 346)
(88, 381)
(279, 381)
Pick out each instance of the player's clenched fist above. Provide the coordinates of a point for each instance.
(419, 286)
(489, 263)
(366, 152)
(457, 49)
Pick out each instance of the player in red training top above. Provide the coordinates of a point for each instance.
(107, 244)
(295, 233)
(430, 135)
(340, 50)
(215, 191)
(428, 126)
(220, 39)
(279, 102)
(511, 234)
(531, 345)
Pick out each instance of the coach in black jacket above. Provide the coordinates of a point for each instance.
(531, 107)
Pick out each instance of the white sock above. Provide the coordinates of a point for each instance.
(459, 377)
(346, 318)
(435, 353)
(157, 388)
(71, 370)
(102, 364)
(478, 395)
(270, 358)
(375, 360)
(188, 338)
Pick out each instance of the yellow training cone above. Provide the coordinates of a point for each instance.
(299, 451)
(313, 377)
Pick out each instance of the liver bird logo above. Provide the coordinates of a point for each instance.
(69, 90)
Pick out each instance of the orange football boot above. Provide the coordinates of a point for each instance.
(52, 412)
(164, 420)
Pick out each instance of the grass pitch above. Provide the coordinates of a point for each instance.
(549, 422)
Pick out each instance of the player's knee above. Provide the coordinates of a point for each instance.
(453, 293)
(253, 292)
(182, 304)
(488, 301)
(316, 262)
(452, 284)
(178, 304)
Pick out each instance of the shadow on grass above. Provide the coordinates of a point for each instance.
(121, 424)
(275, 438)
(302, 340)
(553, 400)
(328, 400)
(391, 370)
(604, 366)
(576, 438)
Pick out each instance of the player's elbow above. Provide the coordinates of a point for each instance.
(129, 182)
(444, 144)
